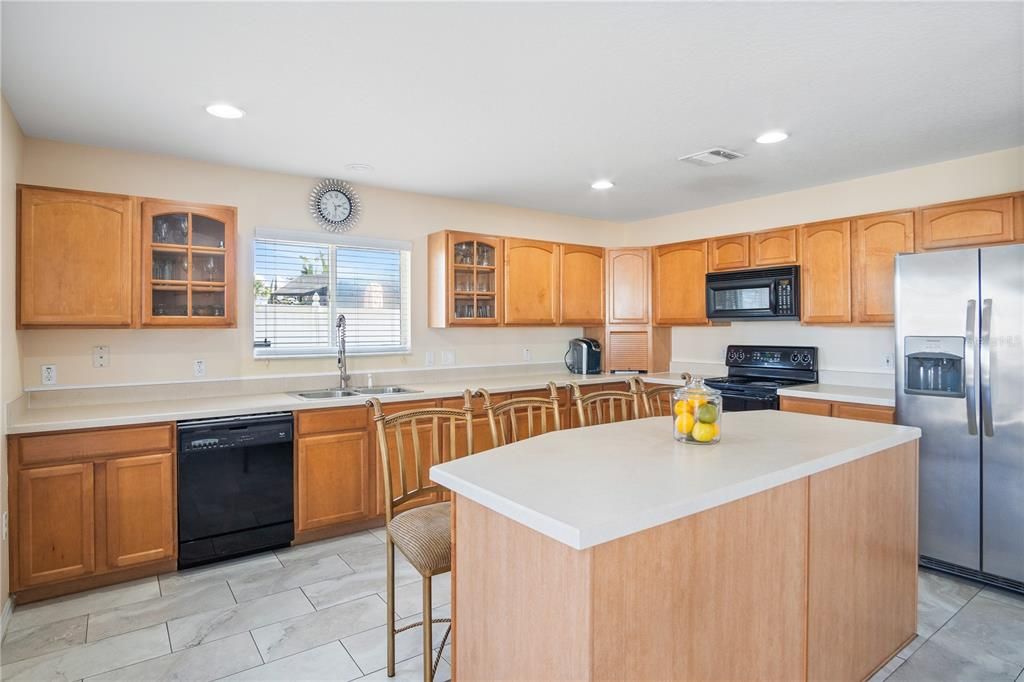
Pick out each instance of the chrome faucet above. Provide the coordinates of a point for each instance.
(342, 360)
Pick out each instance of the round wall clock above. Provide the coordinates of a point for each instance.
(335, 205)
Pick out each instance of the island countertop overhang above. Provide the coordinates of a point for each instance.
(584, 487)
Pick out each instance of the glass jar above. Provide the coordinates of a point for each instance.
(697, 412)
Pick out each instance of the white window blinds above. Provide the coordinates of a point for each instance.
(299, 288)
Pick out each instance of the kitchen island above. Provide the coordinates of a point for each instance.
(787, 551)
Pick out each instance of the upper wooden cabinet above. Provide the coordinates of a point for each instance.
(76, 265)
(825, 273)
(581, 272)
(628, 286)
(729, 253)
(677, 285)
(775, 247)
(464, 280)
(876, 240)
(188, 265)
(531, 282)
(969, 223)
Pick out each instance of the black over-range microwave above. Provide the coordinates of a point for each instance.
(767, 294)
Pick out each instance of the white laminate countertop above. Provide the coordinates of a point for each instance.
(883, 397)
(143, 411)
(587, 486)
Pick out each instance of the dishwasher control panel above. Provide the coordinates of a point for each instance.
(234, 432)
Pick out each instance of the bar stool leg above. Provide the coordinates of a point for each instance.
(390, 549)
(428, 635)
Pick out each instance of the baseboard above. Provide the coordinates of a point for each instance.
(6, 618)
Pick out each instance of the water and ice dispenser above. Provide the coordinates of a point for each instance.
(934, 366)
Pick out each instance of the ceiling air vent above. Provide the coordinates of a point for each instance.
(711, 157)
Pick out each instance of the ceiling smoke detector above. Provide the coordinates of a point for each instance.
(711, 157)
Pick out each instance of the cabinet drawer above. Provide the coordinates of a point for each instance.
(866, 413)
(326, 421)
(64, 447)
(821, 408)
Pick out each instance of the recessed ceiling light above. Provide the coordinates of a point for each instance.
(224, 111)
(772, 136)
(359, 167)
(602, 184)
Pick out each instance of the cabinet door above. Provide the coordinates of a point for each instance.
(775, 247)
(140, 509)
(628, 350)
(678, 289)
(821, 408)
(729, 253)
(628, 277)
(332, 479)
(56, 524)
(825, 272)
(876, 241)
(531, 282)
(474, 279)
(75, 259)
(582, 284)
(968, 223)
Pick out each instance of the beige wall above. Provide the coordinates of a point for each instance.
(277, 201)
(11, 144)
(844, 349)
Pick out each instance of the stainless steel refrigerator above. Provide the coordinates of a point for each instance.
(960, 378)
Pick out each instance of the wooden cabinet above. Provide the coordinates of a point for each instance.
(825, 273)
(581, 275)
(644, 348)
(464, 279)
(91, 508)
(55, 524)
(140, 509)
(332, 479)
(729, 253)
(76, 264)
(827, 408)
(977, 222)
(677, 284)
(628, 286)
(775, 247)
(876, 241)
(188, 265)
(532, 282)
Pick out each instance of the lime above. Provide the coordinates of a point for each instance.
(707, 413)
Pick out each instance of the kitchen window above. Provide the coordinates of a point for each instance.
(300, 286)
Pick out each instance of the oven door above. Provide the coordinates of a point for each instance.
(741, 299)
(737, 402)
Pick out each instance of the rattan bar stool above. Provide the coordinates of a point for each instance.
(657, 399)
(421, 533)
(605, 407)
(516, 419)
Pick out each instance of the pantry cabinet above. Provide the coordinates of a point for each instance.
(628, 286)
(775, 247)
(978, 222)
(876, 241)
(825, 273)
(729, 253)
(677, 284)
(76, 258)
(581, 274)
(532, 282)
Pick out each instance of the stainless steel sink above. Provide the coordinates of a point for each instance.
(385, 390)
(326, 394)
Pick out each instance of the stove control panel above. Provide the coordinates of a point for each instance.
(775, 357)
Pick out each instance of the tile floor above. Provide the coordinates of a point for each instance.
(316, 612)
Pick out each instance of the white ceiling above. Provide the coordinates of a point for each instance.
(526, 104)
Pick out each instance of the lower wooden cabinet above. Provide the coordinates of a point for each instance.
(828, 408)
(140, 509)
(332, 479)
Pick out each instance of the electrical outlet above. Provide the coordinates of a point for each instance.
(48, 374)
(887, 361)
(5, 526)
(100, 356)
(447, 357)
(428, 359)
(527, 355)
(199, 368)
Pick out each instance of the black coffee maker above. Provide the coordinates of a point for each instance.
(584, 356)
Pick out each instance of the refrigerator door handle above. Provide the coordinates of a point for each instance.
(969, 388)
(986, 367)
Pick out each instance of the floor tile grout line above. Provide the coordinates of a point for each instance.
(253, 638)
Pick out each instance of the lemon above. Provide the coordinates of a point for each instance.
(696, 402)
(684, 422)
(680, 407)
(707, 413)
(703, 433)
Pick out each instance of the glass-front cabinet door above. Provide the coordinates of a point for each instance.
(473, 279)
(188, 265)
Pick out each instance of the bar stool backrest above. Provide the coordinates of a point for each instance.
(605, 407)
(516, 419)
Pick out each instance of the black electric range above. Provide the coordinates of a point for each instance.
(756, 373)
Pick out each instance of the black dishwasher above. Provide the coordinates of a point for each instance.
(234, 487)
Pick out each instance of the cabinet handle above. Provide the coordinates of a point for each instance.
(969, 387)
(986, 367)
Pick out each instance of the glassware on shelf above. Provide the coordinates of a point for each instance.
(485, 307)
(464, 308)
(463, 280)
(485, 281)
(697, 414)
(464, 253)
(484, 254)
(207, 231)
